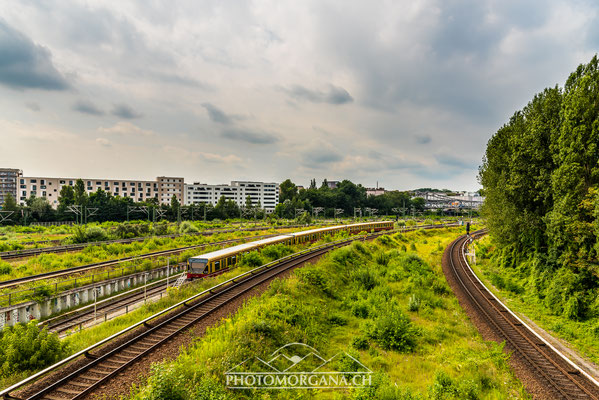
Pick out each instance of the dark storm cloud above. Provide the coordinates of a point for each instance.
(249, 136)
(217, 115)
(87, 107)
(321, 156)
(334, 95)
(25, 65)
(124, 111)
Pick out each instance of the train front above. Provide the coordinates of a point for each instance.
(197, 267)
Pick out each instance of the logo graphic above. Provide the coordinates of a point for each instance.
(299, 366)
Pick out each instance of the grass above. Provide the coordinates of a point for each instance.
(390, 309)
(511, 287)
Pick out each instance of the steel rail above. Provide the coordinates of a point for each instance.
(518, 334)
(108, 263)
(22, 253)
(242, 278)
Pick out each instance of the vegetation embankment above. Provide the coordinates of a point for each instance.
(14, 340)
(385, 303)
(510, 285)
(25, 237)
(54, 262)
(541, 180)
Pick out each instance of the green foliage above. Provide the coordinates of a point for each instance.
(187, 227)
(393, 330)
(24, 347)
(540, 176)
(252, 259)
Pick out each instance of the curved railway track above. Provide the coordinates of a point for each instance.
(101, 366)
(560, 378)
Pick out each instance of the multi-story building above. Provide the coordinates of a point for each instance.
(8, 183)
(266, 195)
(162, 188)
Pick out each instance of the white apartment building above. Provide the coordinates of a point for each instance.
(162, 188)
(264, 194)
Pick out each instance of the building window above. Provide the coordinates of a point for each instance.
(34, 181)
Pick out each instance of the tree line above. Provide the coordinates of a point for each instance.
(540, 176)
(345, 197)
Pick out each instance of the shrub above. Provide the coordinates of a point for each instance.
(365, 279)
(187, 227)
(414, 303)
(252, 259)
(413, 247)
(382, 258)
(394, 331)
(360, 343)
(337, 320)
(5, 268)
(24, 347)
(166, 384)
(95, 234)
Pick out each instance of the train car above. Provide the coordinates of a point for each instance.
(219, 260)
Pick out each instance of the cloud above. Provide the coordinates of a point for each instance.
(249, 136)
(217, 115)
(452, 161)
(33, 106)
(125, 111)
(423, 139)
(125, 128)
(104, 142)
(217, 158)
(25, 65)
(87, 107)
(334, 95)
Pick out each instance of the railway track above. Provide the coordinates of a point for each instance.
(559, 377)
(76, 319)
(103, 264)
(24, 253)
(100, 366)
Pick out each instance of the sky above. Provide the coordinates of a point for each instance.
(403, 93)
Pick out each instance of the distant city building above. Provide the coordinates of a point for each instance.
(9, 178)
(163, 188)
(375, 191)
(333, 184)
(436, 200)
(263, 194)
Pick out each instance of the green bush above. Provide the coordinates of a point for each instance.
(187, 227)
(365, 279)
(24, 347)
(252, 259)
(414, 303)
(5, 268)
(393, 330)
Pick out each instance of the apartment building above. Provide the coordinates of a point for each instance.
(8, 183)
(265, 194)
(162, 188)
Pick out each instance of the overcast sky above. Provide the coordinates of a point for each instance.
(406, 93)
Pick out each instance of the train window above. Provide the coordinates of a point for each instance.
(197, 267)
(216, 265)
(233, 260)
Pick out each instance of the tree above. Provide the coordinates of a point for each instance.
(248, 202)
(9, 203)
(175, 206)
(288, 190)
(80, 193)
(66, 197)
(40, 207)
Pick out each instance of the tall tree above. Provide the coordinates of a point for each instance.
(80, 193)
(9, 203)
(288, 190)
